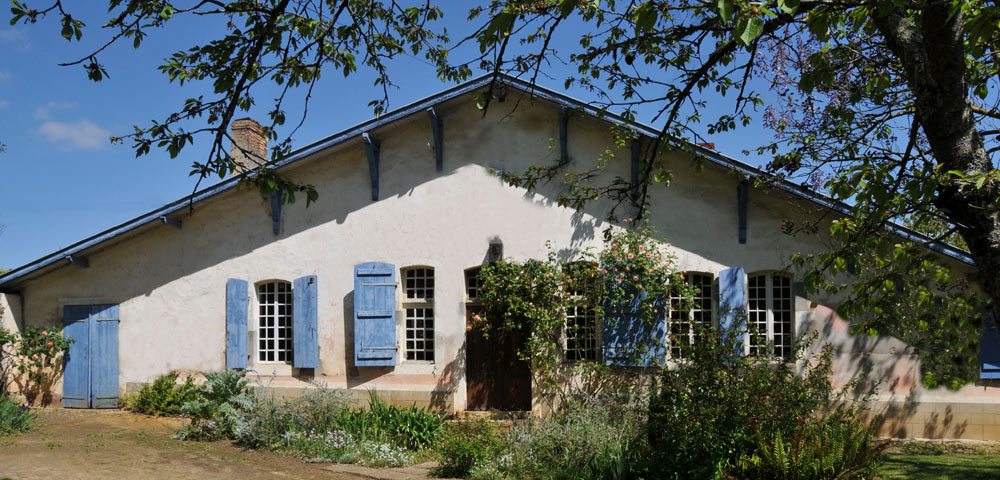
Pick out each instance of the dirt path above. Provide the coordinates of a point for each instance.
(115, 445)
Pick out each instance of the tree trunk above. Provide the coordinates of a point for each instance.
(933, 60)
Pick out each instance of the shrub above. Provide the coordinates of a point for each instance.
(318, 426)
(14, 417)
(216, 406)
(587, 440)
(413, 428)
(465, 445)
(837, 448)
(705, 413)
(163, 397)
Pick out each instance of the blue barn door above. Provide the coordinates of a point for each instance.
(90, 374)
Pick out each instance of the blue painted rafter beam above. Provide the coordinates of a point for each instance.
(437, 128)
(173, 222)
(741, 204)
(563, 141)
(276, 210)
(81, 262)
(636, 145)
(372, 150)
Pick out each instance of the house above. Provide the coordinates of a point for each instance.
(369, 287)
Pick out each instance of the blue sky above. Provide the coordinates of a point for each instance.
(60, 178)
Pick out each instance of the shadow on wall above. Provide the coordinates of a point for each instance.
(887, 366)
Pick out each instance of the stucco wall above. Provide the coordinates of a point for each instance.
(170, 283)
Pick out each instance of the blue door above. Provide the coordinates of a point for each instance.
(90, 373)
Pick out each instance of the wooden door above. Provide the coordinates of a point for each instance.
(496, 379)
(90, 373)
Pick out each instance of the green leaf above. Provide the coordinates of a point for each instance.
(788, 6)
(645, 17)
(566, 7)
(167, 12)
(725, 10)
(749, 28)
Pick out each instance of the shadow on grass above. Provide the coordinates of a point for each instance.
(934, 467)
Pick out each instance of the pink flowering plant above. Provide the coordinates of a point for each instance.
(633, 271)
(31, 355)
(640, 278)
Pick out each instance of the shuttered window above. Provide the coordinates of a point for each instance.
(274, 321)
(769, 314)
(687, 323)
(418, 304)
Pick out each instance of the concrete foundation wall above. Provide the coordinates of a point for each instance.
(170, 283)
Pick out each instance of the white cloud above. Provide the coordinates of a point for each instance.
(44, 113)
(76, 135)
(14, 37)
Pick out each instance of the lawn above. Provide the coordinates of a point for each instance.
(934, 467)
(933, 461)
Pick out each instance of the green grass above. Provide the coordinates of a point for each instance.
(982, 466)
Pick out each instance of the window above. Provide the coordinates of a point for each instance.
(687, 323)
(472, 285)
(274, 321)
(581, 317)
(418, 303)
(769, 314)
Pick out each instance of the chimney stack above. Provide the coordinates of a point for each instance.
(249, 136)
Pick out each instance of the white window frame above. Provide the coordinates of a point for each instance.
(711, 297)
(255, 329)
(418, 303)
(782, 351)
(578, 300)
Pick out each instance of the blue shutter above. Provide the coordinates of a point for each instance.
(733, 306)
(76, 369)
(304, 323)
(237, 301)
(374, 314)
(104, 356)
(989, 350)
(627, 340)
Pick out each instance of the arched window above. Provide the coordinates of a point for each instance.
(687, 323)
(418, 306)
(274, 321)
(769, 313)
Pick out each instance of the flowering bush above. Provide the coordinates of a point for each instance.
(32, 355)
(628, 285)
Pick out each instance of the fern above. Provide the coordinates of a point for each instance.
(838, 448)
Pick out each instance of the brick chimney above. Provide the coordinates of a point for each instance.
(249, 136)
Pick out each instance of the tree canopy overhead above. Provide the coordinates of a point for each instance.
(889, 106)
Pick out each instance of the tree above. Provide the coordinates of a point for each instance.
(883, 105)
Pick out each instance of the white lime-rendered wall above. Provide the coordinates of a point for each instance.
(170, 283)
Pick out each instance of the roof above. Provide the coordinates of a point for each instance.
(156, 216)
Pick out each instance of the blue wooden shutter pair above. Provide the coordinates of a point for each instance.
(304, 322)
(90, 374)
(989, 350)
(733, 307)
(628, 340)
(374, 314)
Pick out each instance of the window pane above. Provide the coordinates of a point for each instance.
(274, 321)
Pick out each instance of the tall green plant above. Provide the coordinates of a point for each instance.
(216, 407)
(837, 448)
(706, 412)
